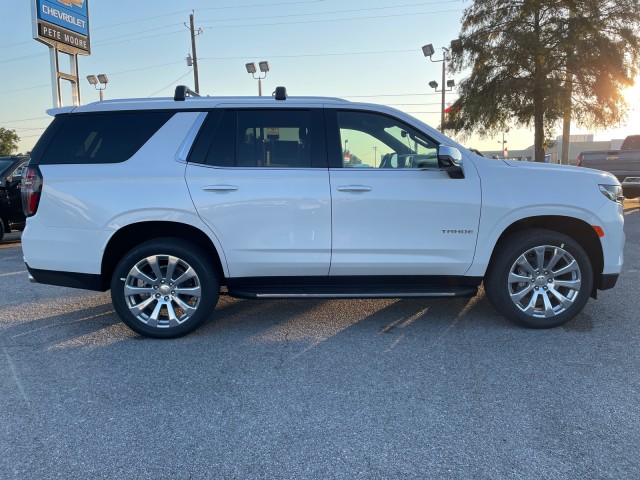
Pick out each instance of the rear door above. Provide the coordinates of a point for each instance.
(259, 179)
(394, 211)
(14, 195)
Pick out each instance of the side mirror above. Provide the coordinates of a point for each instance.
(449, 159)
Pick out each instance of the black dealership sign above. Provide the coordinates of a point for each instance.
(47, 31)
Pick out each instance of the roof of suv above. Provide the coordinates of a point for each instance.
(194, 103)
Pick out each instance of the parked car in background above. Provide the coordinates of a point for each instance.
(623, 163)
(11, 214)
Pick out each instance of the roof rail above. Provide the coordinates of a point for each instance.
(182, 91)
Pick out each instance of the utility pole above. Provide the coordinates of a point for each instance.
(193, 53)
(504, 146)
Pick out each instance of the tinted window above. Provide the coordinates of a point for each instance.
(5, 164)
(223, 146)
(102, 137)
(263, 138)
(372, 140)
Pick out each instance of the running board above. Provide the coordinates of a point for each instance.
(324, 292)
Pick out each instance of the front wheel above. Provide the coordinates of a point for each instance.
(164, 288)
(539, 278)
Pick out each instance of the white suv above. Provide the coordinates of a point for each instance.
(165, 201)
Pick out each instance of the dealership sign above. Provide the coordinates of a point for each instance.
(63, 24)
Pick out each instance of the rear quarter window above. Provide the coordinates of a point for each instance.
(101, 137)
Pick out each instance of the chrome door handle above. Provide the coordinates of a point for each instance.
(220, 188)
(354, 188)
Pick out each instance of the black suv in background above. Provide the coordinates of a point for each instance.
(11, 214)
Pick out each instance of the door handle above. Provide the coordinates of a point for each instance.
(220, 188)
(354, 188)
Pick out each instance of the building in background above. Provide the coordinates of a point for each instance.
(577, 144)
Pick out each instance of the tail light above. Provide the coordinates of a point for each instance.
(579, 163)
(31, 189)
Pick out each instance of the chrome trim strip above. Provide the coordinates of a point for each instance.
(351, 295)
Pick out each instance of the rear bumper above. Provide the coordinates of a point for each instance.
(85, 281)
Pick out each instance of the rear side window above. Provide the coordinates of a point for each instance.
(262, 138)
(101, 137)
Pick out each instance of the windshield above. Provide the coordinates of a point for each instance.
(5, 165)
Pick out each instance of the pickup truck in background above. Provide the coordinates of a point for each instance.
(623, 163)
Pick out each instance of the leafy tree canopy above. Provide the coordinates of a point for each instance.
(8, 141)
(533, 62)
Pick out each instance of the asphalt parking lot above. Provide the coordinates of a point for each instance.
(318, 389)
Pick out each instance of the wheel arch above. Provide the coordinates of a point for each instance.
(134, 234)
(577, 229)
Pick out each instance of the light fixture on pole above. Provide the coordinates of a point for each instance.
(428, 51)
(264, 68)
(101, 79)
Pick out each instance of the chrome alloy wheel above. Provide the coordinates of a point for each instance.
(162, 291)
(544, 281)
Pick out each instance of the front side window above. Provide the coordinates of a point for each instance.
(372, 140)
(264, 138)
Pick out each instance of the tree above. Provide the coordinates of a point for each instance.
(533, 62)
(8, 141)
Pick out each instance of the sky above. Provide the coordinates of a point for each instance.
(359, 50)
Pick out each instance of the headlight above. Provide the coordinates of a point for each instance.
(612, 192)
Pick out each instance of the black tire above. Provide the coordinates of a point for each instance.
(539, 297)
(147, 299)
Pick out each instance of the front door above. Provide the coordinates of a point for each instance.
(394, 211)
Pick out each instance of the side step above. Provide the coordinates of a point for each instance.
(328, 292)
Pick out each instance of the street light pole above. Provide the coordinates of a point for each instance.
(428, 51)
(264, 68)
(444, 61)
(101, 79)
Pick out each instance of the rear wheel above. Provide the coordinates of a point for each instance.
(539, 278)
(164, 288)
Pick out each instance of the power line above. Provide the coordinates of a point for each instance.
(167, 86)
(26, 119)
(148, 68)
(333, 19)
(181, 12)
(24, 128)
(9, 45)
(119, 38)
(394, 7)
(114, 73)
(329, 54)
(270, 4)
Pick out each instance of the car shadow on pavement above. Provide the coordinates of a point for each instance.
(53, 322)
(308, 323)
(302, 324)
